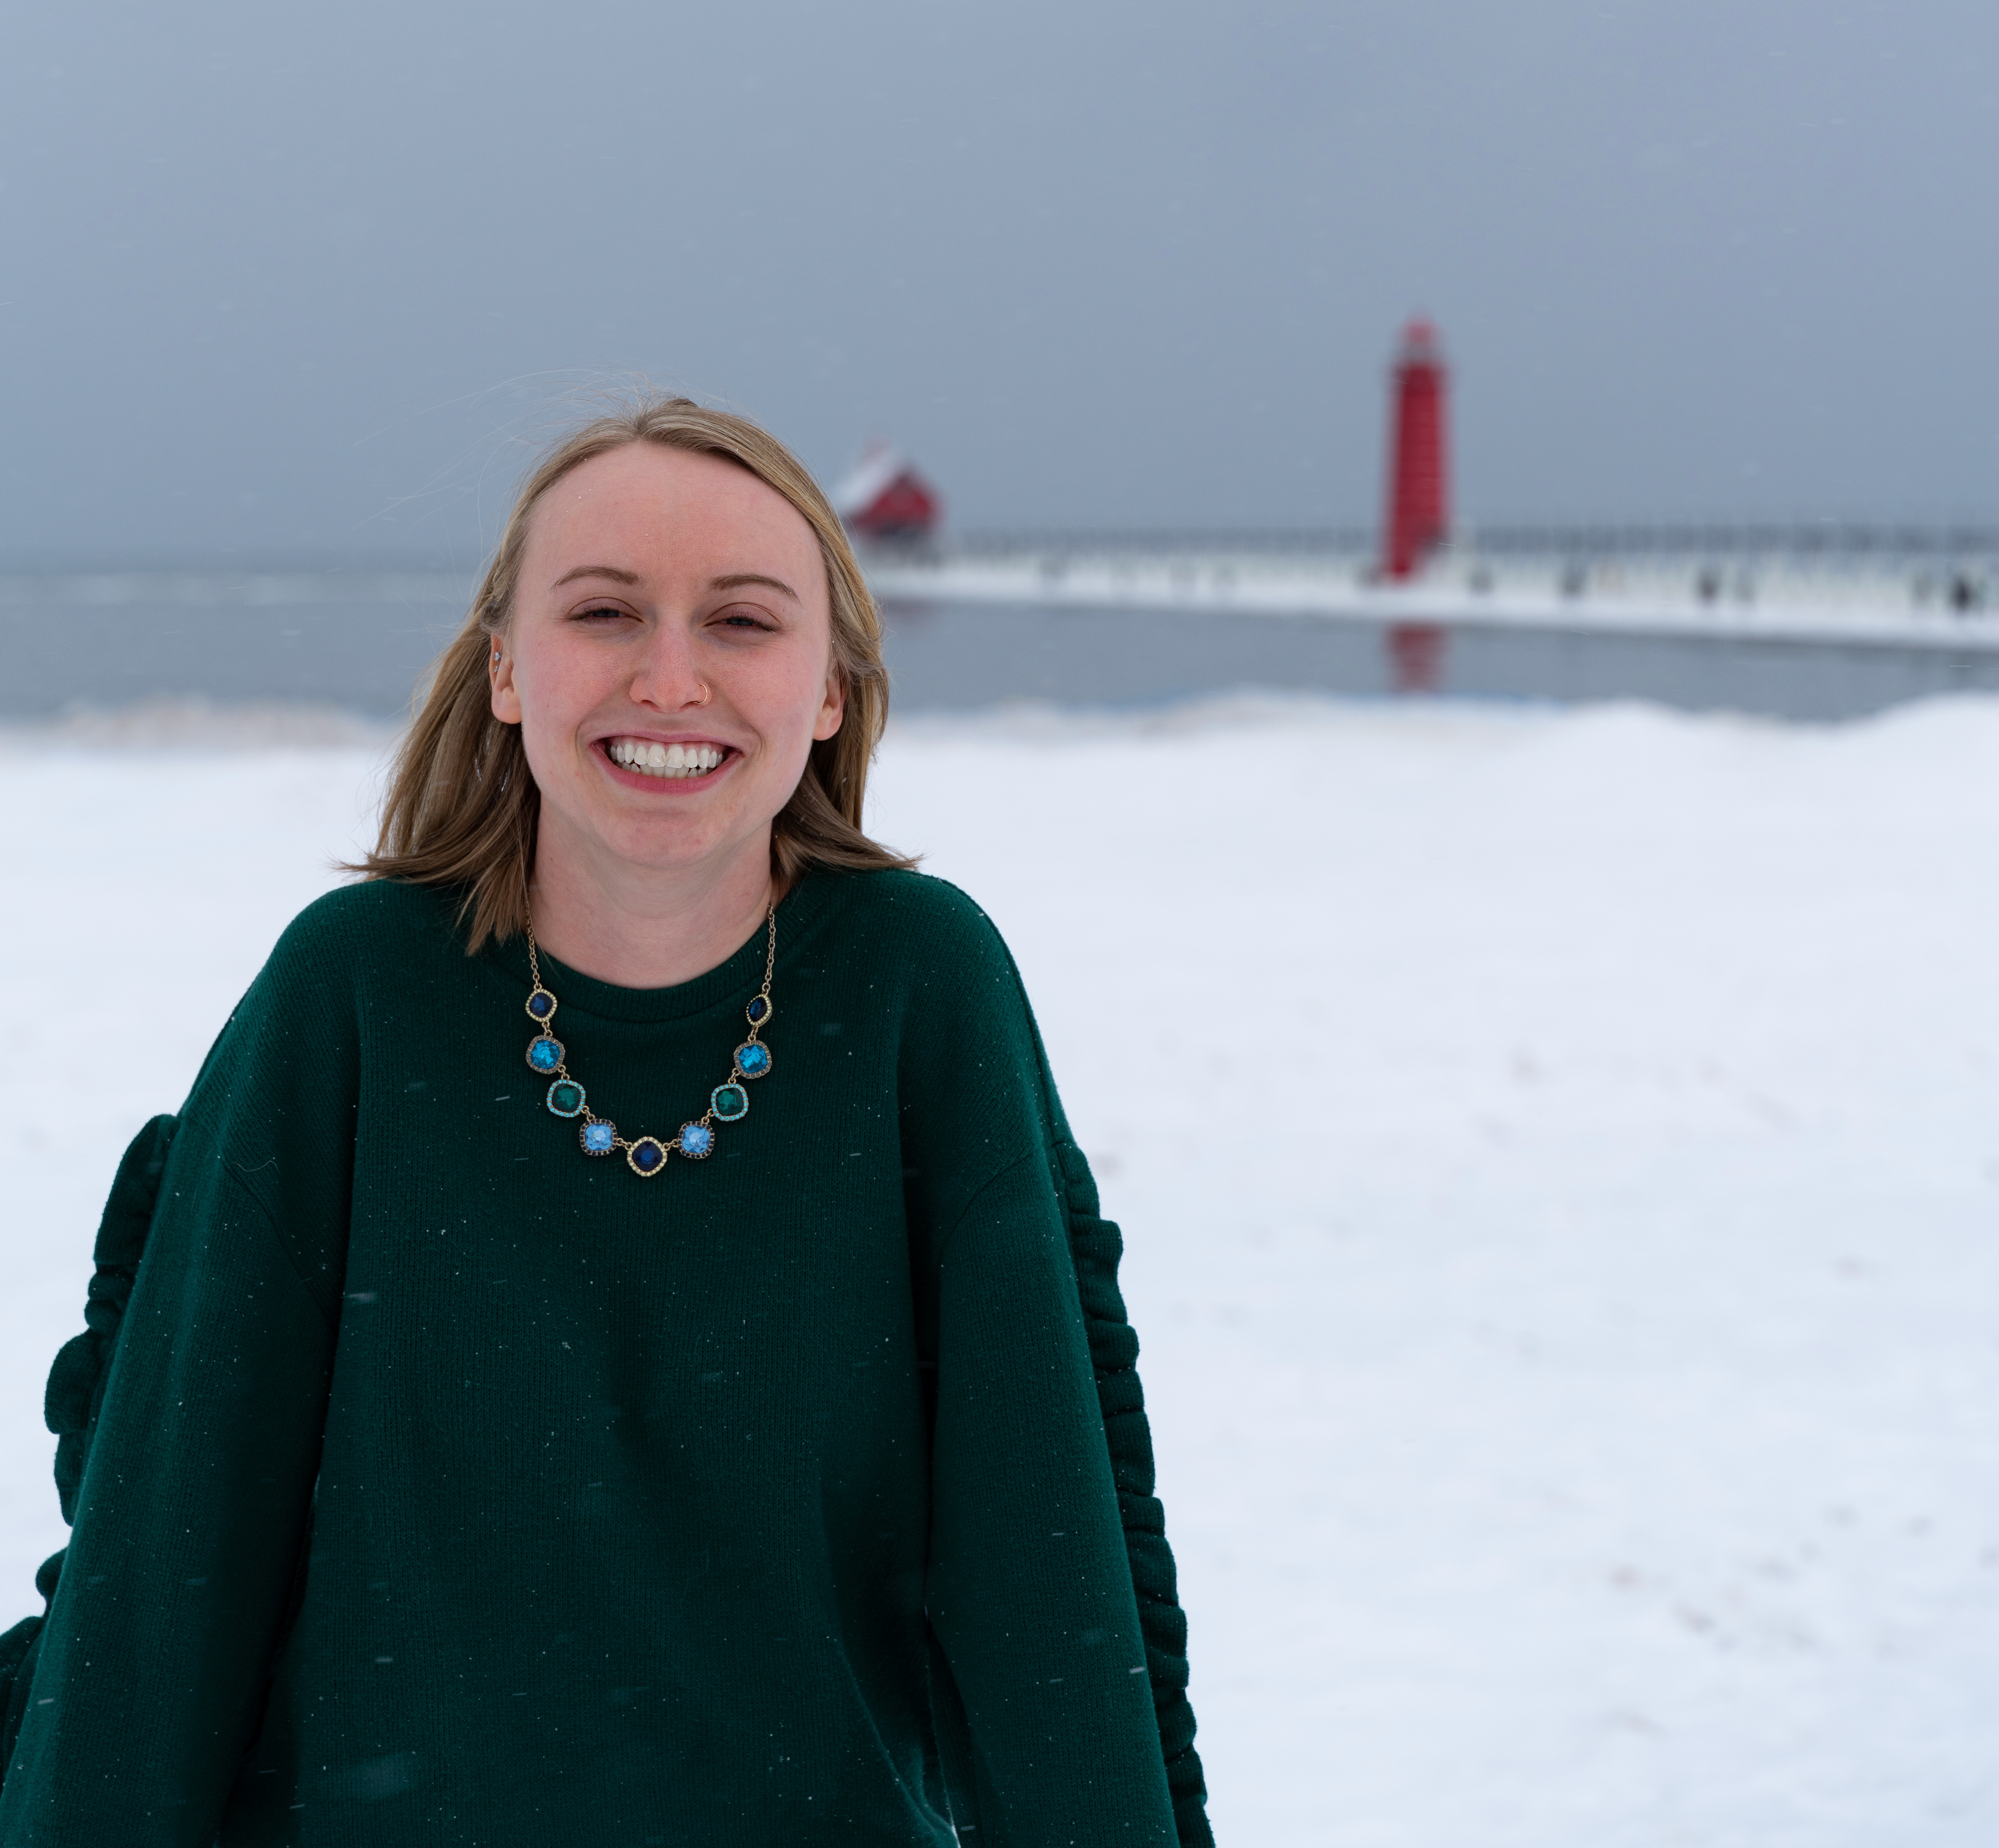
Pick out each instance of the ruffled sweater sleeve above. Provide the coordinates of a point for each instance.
(1095, 1245)
(193, 1507)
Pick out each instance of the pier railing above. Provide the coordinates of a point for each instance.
(1824, 564)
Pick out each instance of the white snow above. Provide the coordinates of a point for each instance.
(1558, 1159)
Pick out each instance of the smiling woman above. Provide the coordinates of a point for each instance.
(787, 1480)
(646, 552)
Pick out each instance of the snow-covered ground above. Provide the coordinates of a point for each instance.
(1560, 1165)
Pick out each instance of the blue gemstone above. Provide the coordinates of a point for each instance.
(599, 1139)
(540, 1006)
(647, 1156)
(696, 1138)
(545, 1054)
(759, 1011)
(752, 1060)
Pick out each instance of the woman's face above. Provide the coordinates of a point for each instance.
(669, 606)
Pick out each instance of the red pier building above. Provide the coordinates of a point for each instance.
(886, 500)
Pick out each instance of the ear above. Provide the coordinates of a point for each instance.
(833, 708)
(506, 701)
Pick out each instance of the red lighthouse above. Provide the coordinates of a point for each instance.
(1418, 511)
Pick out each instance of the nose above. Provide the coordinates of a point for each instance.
(665, 676)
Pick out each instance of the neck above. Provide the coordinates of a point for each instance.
(641, 927)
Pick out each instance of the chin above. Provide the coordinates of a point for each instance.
(665, 849)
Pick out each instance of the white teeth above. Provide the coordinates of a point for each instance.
(651, 759)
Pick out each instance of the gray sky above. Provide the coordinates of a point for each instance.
(278, 282)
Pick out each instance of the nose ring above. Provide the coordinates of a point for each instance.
(706, 695)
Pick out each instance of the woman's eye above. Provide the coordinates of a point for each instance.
(599, 611)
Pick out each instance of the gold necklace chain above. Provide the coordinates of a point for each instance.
(646, 1155)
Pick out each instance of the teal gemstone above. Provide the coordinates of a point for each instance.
(566, 1098)
(545, 1054)
(730, 1102)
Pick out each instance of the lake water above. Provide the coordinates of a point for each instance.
(361, 641)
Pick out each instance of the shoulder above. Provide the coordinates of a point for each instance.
(916, 921)
(974, 1091)
(342, 945)
(354, 927)
(930, 955)
(911, 905)
(324, 975)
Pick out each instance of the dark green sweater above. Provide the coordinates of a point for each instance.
(452, 1486)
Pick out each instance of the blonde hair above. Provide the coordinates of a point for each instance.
(462, 806)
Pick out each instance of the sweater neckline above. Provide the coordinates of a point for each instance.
(738, 977)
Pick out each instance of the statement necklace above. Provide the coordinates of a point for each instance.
(728, 1102)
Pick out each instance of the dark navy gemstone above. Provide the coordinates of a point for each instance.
(759, 1011)
(541, 1004)
(646, 1155)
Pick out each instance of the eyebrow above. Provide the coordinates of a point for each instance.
(734, 581)
(737, 581)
